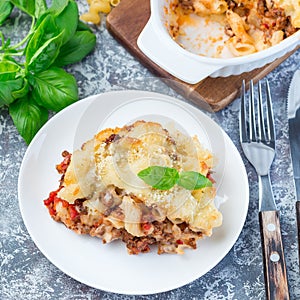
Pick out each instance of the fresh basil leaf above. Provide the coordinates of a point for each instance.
(44, 32)
(28, 117)
(43, 46)
(22, 92)
(67, 21)
(162, 178)
(28, 6)
(80, 45)
(5, 10)
(41, 19)
(7, 57)
(191, 180)
(83, 27)
(40, 8)
(10, 82)
(54, 88)
(65, 16)
(7, 88)
(58, 6)
(45, 55)
(34, 8)
(8, 70)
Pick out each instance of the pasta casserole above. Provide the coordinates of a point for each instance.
(101, 195)
(249, 26)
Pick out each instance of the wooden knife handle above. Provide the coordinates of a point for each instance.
(273, 257)
(298, 225)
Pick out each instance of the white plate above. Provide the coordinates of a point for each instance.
(109, 267)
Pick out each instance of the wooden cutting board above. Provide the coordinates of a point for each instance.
(125, 23)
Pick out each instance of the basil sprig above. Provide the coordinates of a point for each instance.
(32, 80)
(161, 178)
(164, 178)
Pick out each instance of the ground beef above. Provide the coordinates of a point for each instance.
(62, 167)
(289, 30)
(274, 19)
(231, 4)
(187, 5)
(112, 138)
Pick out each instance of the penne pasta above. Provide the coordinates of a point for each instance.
(277, 37)
(238, 48)
(250, 25)
(115, 2)
(238, 27)
(208, 7)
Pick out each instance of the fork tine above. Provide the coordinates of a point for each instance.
(270, 117)
(260, 113)
(252, 119)
(243, 119)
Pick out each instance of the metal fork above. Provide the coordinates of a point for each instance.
(257, 134)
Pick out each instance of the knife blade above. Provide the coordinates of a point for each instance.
(294, 135)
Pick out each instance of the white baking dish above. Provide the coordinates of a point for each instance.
(156, 43)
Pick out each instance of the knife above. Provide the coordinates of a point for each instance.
(294, 135)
